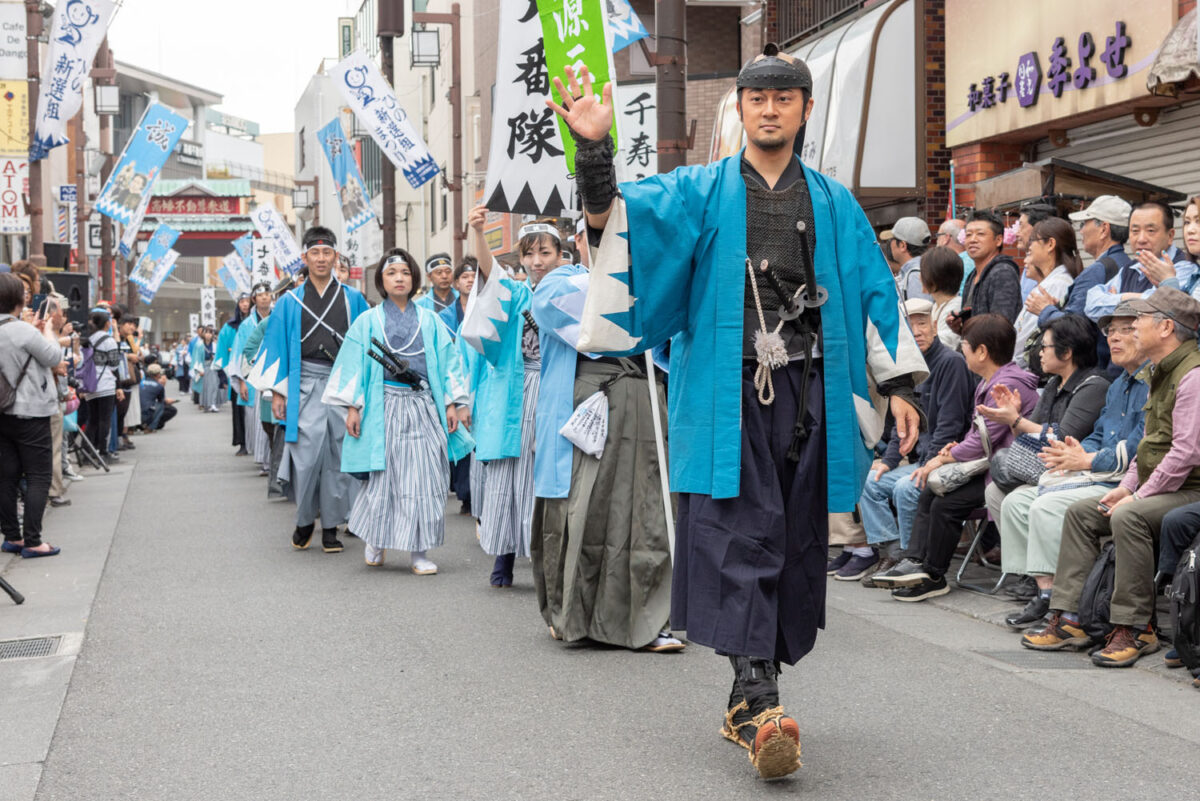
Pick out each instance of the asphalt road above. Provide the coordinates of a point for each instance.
(219, 663)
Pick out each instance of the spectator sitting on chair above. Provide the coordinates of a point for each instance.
(941, 279)
(1164, 476)
(946, 399)
(988, 342)
(1052, 260)
(994, 287)
(1031, 517)
(1031, 215)
(157, 408)
(1156, 262)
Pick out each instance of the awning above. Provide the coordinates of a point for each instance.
(1176, 63)
(212, 187)
(1055, 180)
(863, 129)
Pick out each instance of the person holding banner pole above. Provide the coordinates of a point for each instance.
(784, 327)
(301, 341)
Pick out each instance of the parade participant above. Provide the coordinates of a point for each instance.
(441, 294)
(205, 356)
(599, 543)
(452, 316)
(343, 269)
(504, 435)
(399, 377)
(301, 340)
(192, 350)
(224, 360)
(246, 397)
(785, 354)
(272, 428)
(180, 360)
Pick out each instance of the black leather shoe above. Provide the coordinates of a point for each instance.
(1023, 589)
(1034, 611)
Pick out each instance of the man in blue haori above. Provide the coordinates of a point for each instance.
(787, 342)
(300, 343)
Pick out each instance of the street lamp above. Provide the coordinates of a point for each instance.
(108, 99)
(300, 198)
(426, 50)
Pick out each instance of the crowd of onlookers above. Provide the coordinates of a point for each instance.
(70, 397)
(1063, 413)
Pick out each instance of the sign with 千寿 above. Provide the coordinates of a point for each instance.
(1042, 62)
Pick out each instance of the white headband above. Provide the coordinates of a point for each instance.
(440, 261)
(394, 260)
(538, 228)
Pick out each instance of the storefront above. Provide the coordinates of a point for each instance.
(1056, 103)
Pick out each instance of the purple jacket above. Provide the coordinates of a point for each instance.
(1019, 381)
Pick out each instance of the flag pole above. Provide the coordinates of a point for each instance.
(660, 445)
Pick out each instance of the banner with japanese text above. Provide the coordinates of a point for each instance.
(637, 148)
(166, 266)
(128, 188)
(238, 270)
(274, 230)
(375, 105)
(208, 306)
(244, 247)
(160, 242)
(526, 170)
(79, 27)
(573, 35)
(351, 188)
(262, 262)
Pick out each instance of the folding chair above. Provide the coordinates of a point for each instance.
(977, 523)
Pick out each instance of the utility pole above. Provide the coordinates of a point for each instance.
(455, 184)
(81, 198)
(104, 73)
(33, 32)
(670, 82)
(390, 26)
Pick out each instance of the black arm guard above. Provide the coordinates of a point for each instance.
(595, 175)
(902, 386)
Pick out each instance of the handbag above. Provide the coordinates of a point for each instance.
(949, 477)
(1058, 480)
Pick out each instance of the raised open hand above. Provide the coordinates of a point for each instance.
(589, 116)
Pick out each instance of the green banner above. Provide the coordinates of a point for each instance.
(573, 35)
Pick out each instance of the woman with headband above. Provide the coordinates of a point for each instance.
(400, 379)
(224, 361)
(500, 328)
(256, 435)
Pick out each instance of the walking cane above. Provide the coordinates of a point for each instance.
(662, 454)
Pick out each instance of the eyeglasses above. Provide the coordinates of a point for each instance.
(1109, 330)
(1043, 347)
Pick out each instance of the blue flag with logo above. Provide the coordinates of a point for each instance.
(160, 243)
(352, 190)
(141, 161)
(244, 245)
(624, 25)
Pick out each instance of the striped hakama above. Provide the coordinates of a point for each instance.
(507, 513)
(403, 506)
(262, 443)
(210, 387)
(478, 482)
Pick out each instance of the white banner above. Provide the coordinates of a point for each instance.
(527, 173)
(375, 105)
(263, 262)
(193, 322)
(14, 186)
(13, 63)
(272, 228)
(208, 305)
(637, 131)
(237, 268)
(79, 27)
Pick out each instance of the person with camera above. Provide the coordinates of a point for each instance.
(29, 357)
(97, 374)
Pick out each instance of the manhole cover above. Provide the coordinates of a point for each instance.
(27, 649)
(1038, 660)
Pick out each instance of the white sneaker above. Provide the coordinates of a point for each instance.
(72, 475)
(374, 556)
(421, 565)
(665, 643)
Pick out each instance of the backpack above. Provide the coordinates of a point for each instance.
(88, 371)
(1096, 599)
(1185, 600)
(8, 391)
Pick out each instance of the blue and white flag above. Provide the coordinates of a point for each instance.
(79, 27)
(228, 281)
(375, 105)
(623, 25)
(160, 243)
(238, 270)
(165, 267)
(141, 161)
(129, 235)
(352, 190)
(274, 230)
(244, 247)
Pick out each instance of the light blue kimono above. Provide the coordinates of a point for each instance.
(196, 358)
(500, 301)
(224, 346)
(277, 366)
(682, 277)
(357, 380)
(426, 300)
(235, 365)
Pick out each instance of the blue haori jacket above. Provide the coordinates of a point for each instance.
(236, 366)
(677, 270)
(357, 380)
(493, 326)
(277, 365)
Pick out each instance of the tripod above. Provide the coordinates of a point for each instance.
(17, 597)
(81, 448)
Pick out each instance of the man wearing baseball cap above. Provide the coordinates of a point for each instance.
(1164, 475)
(906, 241)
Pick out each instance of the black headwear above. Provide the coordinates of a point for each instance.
(774, 72)
(319, 235)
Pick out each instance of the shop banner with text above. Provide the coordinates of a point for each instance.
(208, 306)
(14, 187)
